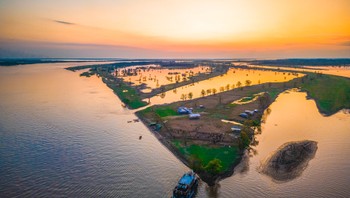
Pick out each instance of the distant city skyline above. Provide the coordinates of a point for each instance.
(175, 29)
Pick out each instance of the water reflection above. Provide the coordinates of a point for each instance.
(213, 191)
(155, 76)
(332, 70)
(63, 135)
(294, 118)
(234, 78)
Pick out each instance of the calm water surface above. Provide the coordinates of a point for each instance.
(64, 135)
(230, 79)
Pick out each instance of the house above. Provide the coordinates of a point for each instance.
(244, 115)
(249, 112)
(194, 116)
(183, 110)
(236, 129)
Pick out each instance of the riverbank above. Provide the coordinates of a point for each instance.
(208, 145)
(200, 142)
(331, 93)
(131, 95)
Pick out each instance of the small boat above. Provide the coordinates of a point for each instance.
(187, 186)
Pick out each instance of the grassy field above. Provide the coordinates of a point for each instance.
(165, 111)
(128, 95)
(331, 93)
(274, 93)
(228, 155)
(161, 111)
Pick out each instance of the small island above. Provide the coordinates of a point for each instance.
(289, 161)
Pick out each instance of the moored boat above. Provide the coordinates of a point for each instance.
(187, 186)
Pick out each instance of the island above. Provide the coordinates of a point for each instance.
(209, 129)
(289, 160)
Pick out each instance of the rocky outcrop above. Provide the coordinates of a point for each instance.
(290, 160)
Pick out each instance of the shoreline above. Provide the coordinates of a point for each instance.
(226, 98)
(206, 177)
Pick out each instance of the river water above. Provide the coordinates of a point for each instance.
(65, 135)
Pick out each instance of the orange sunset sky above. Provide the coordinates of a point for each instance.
(175, 28)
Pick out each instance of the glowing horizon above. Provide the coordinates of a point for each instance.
(211, 29)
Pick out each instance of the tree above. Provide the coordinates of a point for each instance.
(190, 95)
(227, 87)
(202, 93)
(239, 84)
(222, 89)
(214, 91)
(248, 83)
(195, 163)
(183, 96)
(208, 91)
(245, 139)
(214, 166)
(264, 101)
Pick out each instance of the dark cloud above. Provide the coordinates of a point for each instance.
(63, 22)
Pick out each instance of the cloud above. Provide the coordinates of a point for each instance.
(63, 22)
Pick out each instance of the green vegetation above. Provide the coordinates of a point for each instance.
(213, 167)
(331, 93)
(165, 111)
(274, 93)
(246, 99)
(128, 95)
(245, 141)
(87, 74)
(161, 111)
(204, 155)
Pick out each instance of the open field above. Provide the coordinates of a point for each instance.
(331, 93)
(227, 155)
